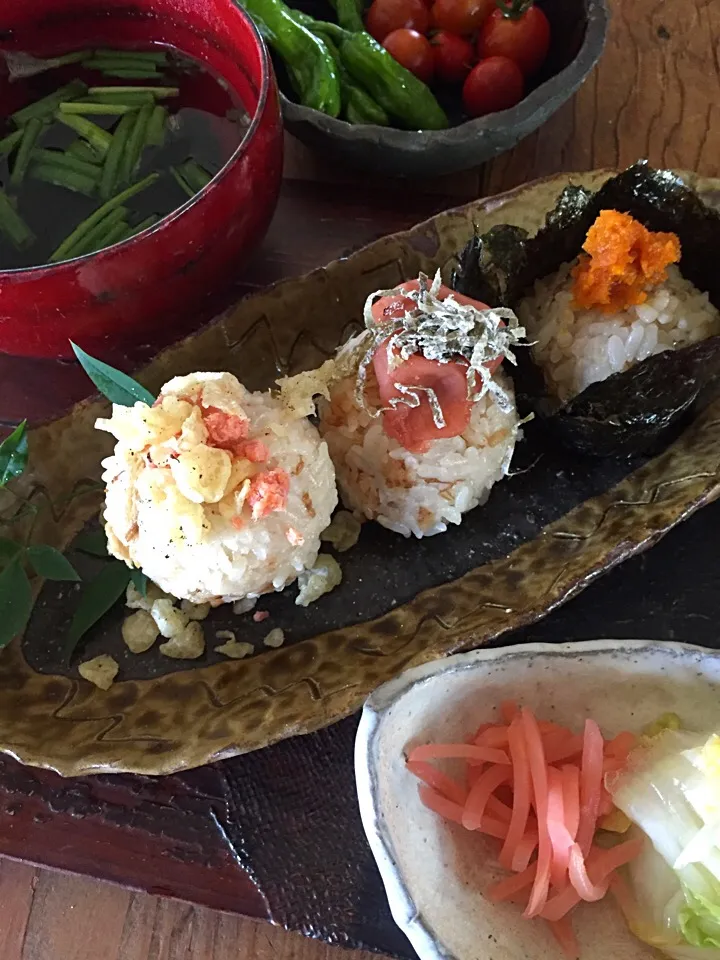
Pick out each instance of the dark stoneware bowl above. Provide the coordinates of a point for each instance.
(579, 28)
(171, 277)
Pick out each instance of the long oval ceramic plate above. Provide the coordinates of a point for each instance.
(544, 534)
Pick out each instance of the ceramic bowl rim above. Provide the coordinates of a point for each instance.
(520, 116)
(403, 910)
(266, 81)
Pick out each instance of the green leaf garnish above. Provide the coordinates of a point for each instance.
(140, 582)
(8, 550)
(118, 387)
(94, 543)
(13, 454)
(15, 601)
(49, 563)
(95, 601)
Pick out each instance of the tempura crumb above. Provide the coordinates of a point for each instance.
(276, 638)
(139, 631)
(187, 645)
(100, 670)
(321, 579)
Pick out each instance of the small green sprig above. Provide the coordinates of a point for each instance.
(118, 387)
(20, 558)
(17, 557)
(101, 593)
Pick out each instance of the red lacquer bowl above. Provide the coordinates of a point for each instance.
(180, 272)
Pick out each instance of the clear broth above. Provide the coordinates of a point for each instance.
(207, 123)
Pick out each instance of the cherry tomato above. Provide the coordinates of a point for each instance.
(454, 56)
(493, 84)
(384, 16)
(524, 39)
(461, 16)
(413, 51)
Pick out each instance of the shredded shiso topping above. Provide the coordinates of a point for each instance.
(440, 330)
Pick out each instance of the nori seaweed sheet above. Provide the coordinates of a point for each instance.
(632, 411)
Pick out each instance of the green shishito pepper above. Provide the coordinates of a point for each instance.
(358, 106)
(399, 92)
(361, 109)
(309, 62)
(349, 14)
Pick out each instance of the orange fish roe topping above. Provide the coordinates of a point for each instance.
(624, 260)
(268, 492)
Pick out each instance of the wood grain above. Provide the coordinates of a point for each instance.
(655, 94)
(46, 915)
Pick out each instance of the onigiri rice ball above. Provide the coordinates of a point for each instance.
(214, 492)
(620, 302)
(417, 493)
(419, 419)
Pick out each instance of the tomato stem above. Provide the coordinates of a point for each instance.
(513, 9)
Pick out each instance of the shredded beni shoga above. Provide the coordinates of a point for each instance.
(441, 329)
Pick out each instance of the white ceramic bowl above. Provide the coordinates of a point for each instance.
(435, 872)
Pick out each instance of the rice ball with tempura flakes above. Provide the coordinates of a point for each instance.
(214, 492)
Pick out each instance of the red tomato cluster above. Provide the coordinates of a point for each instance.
(491, 47)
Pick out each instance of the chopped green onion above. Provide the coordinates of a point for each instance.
(156, 127)
(31, 133)
(13, 225)
(67, 58)
(118, 63)
(59, 159)
(135, 144)
(196, 176)
(62, 177)
(8, 143)
(98, 138)
(157, 92)
(45, 108)
(83, 151)
(95, 237)
(108, 109)
(130, 73)
(154, 56)
(145, 224)
(120, 232)
(81, 231)
(126, 99)
(114, 156)
(182, 182)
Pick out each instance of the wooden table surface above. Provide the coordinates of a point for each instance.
(655, 94)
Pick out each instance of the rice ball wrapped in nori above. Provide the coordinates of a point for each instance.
(419, 420)
(621, 302)
(609, 377)
(216, 493)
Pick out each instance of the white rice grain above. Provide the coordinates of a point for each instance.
(416, 494)
(578, 347)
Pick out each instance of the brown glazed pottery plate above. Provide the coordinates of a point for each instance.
(547, 531)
